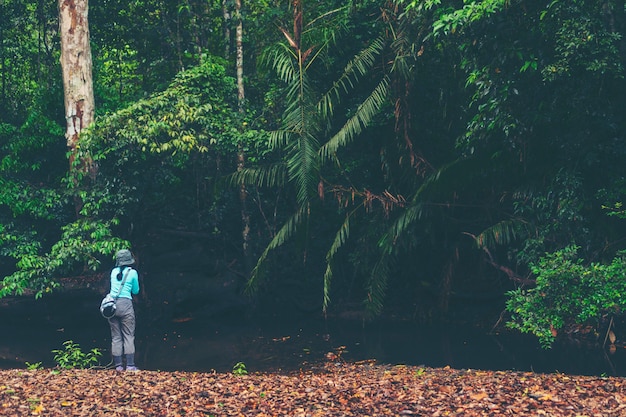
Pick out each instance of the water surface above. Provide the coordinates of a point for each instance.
(31, 330)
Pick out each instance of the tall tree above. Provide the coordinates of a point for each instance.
(77, 77)
(226, 15)
(241, 153)
(305, 137)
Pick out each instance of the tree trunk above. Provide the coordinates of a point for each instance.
(226, 13)
(77, 78)
(241, 157)
(3, 74)
(239, 40)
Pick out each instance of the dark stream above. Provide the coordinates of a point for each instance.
(264, 342)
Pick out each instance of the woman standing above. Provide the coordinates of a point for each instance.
(124, 284)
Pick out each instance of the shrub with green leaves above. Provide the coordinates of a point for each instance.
(567, 294)
(72, 357)
(33, 366)
(178, 141)
(240, 369)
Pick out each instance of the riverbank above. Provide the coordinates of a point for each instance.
(337, 389)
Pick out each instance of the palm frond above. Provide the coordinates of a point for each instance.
(278, 139)
(298, 92)
(274, 175)
(501, 233)
(433, 184)
(404, 54)
(327, 14)
(360, 120)
(377, 286)
(282, 59)
(354, 70)
(340, 238)
(303, 166)
(406, 219)
(299, 137)
(283, 235)
(301, 118)
(300, 115)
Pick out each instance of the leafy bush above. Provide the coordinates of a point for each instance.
(72, 357)
(568, 294)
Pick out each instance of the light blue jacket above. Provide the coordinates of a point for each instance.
(131, 285)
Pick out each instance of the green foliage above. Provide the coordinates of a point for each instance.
(239, 369)
(157, 137)
(540, 220)
(33, 202)
(193, 114)
(29, 60)
(72, 357)
(153, 141)
(303, 124)
(613, 198)
(33, 366)
(118, 81)
(84, 242)
(140, 46)
(472, 11)
(155, 154)
(568, 293)
(320, 120)
(582, 40)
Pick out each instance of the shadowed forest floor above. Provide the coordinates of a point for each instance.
(335, 389)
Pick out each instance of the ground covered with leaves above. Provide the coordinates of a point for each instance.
(331, 390)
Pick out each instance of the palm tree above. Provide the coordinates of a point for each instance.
(382, 73)
(304, 136)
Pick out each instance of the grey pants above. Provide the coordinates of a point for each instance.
(123, 328)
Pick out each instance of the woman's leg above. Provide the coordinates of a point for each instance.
(117, 347)
(127, 323)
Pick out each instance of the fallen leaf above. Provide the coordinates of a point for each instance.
(479, 396)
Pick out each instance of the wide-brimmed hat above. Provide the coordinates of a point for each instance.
(124, 257)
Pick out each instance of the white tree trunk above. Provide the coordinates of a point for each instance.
(239, 40)
(241, 156)
(77, 78)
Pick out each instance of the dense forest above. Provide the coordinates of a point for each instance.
(389, 156)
